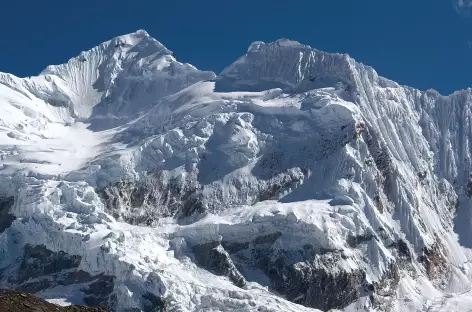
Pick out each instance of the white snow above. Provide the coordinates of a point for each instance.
(127, 108)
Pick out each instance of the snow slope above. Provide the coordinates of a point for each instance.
(296, 180)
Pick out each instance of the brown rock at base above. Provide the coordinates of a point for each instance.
(14, 301)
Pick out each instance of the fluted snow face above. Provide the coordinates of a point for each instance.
(289, 63)
(295, 169)
(131, 68)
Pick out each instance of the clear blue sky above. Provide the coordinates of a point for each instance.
(421, 43)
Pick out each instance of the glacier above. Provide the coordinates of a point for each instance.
(294, 180)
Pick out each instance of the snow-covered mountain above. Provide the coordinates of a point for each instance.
(296, 180)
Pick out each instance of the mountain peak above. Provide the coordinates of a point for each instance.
(107, 72)
(282, 42)
(141, 32)
(287, 63)
(133, 37)
(139, 41)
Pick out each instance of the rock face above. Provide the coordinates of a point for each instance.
(305, 276)
(39, 269)
(214, 257)
(295, 180)
(311, 283)
(6, 219)
(158, 195)
(144, 202)
(12, 301)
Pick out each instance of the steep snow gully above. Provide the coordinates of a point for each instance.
(296, 180)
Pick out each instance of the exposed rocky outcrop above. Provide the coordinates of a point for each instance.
(214, 257)
(6, 219)
(469, 187)
(14, 301)
(155, 196)
(158, 195)
(315, 283)
(309, 277)
(380, 156)
(276, 186)
(403, 250)
(434, 261)
(40, 268)
(353, 241)
(382, 292)
(152, 303)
